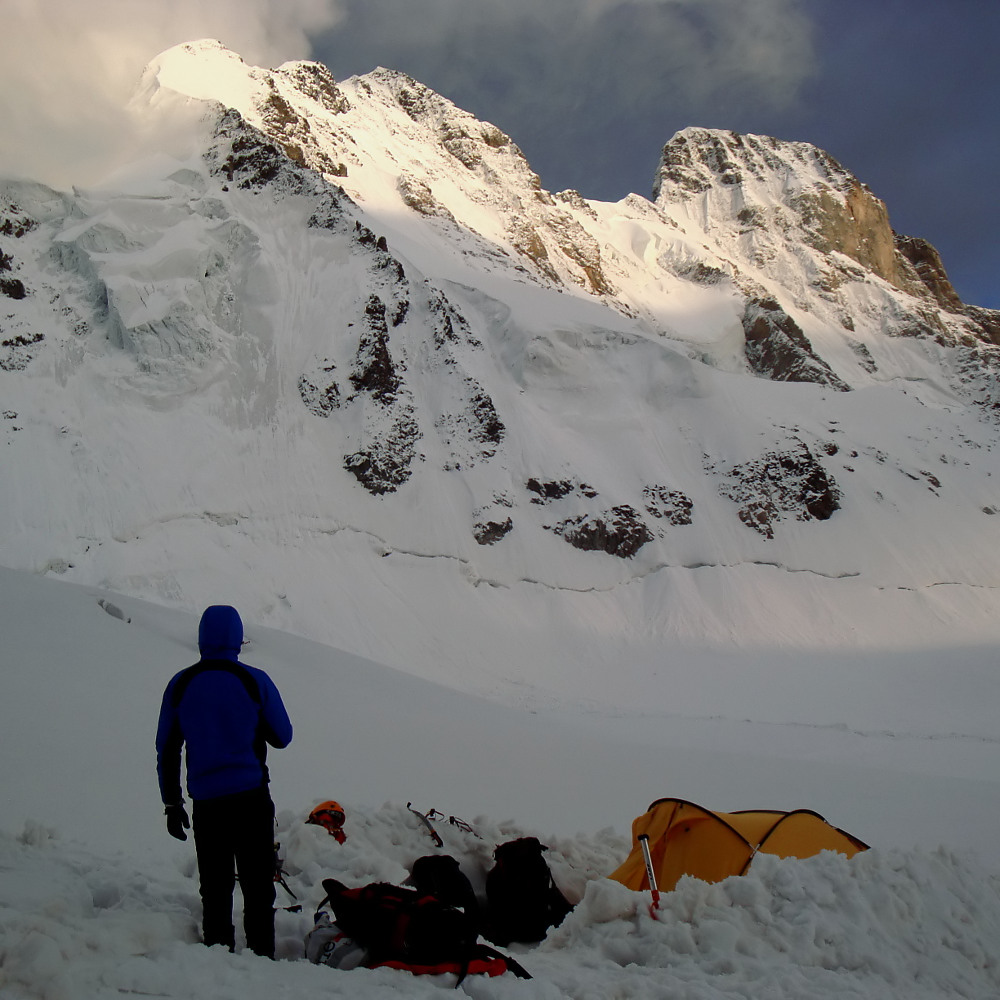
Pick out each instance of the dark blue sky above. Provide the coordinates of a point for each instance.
(905, 93)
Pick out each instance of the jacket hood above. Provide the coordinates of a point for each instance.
(220, 634)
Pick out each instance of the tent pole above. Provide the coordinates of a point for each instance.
(650, 874)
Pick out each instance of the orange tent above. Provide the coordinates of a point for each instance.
(685, 839)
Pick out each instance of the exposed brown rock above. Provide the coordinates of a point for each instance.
(619, 532)
(490, 532)
(927, 263)
(777, 348)
(781, 484)
(374, 371)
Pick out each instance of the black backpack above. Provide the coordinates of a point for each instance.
(522, 897)
(440, 876)
(407, 929)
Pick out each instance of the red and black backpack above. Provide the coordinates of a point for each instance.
(407, 929)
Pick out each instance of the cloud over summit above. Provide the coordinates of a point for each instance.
(69, 66)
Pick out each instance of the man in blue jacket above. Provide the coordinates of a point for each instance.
(226, 713)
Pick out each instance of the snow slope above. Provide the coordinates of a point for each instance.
(97, 901)
(537, 509)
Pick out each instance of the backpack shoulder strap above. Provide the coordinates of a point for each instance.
(485, 951)
(238, 670)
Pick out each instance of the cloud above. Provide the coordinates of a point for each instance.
(67, 68)
(701, 47)
(584, 86)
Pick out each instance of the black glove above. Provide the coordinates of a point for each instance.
(177, 821)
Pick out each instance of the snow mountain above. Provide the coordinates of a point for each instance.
(329, 351)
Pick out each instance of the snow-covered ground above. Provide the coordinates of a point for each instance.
(96, 901)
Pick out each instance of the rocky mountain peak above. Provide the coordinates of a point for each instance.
(767, 199)
(440, 162)
(751, 182)
(697, 160)
(370, 291)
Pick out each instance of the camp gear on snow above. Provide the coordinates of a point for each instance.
(279, 878)
(643, 839)
(523, 901)
(687, 839)
(463, 826)
(327, 944)
(177, 821)
(393, 922)
(425, 818)
(405, 929)
(330, 815)
(440, 876)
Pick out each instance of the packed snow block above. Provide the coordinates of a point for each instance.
(113, 610)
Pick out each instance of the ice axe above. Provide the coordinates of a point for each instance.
(650, 874)
(425, 818)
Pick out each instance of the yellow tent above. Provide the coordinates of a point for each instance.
(685, 839)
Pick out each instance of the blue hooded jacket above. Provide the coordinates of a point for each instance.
(224, 711)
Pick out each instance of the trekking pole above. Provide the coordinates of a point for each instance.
(650, 874)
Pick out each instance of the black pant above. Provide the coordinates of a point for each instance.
(234, 835)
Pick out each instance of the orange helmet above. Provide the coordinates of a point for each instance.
(329, 814)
